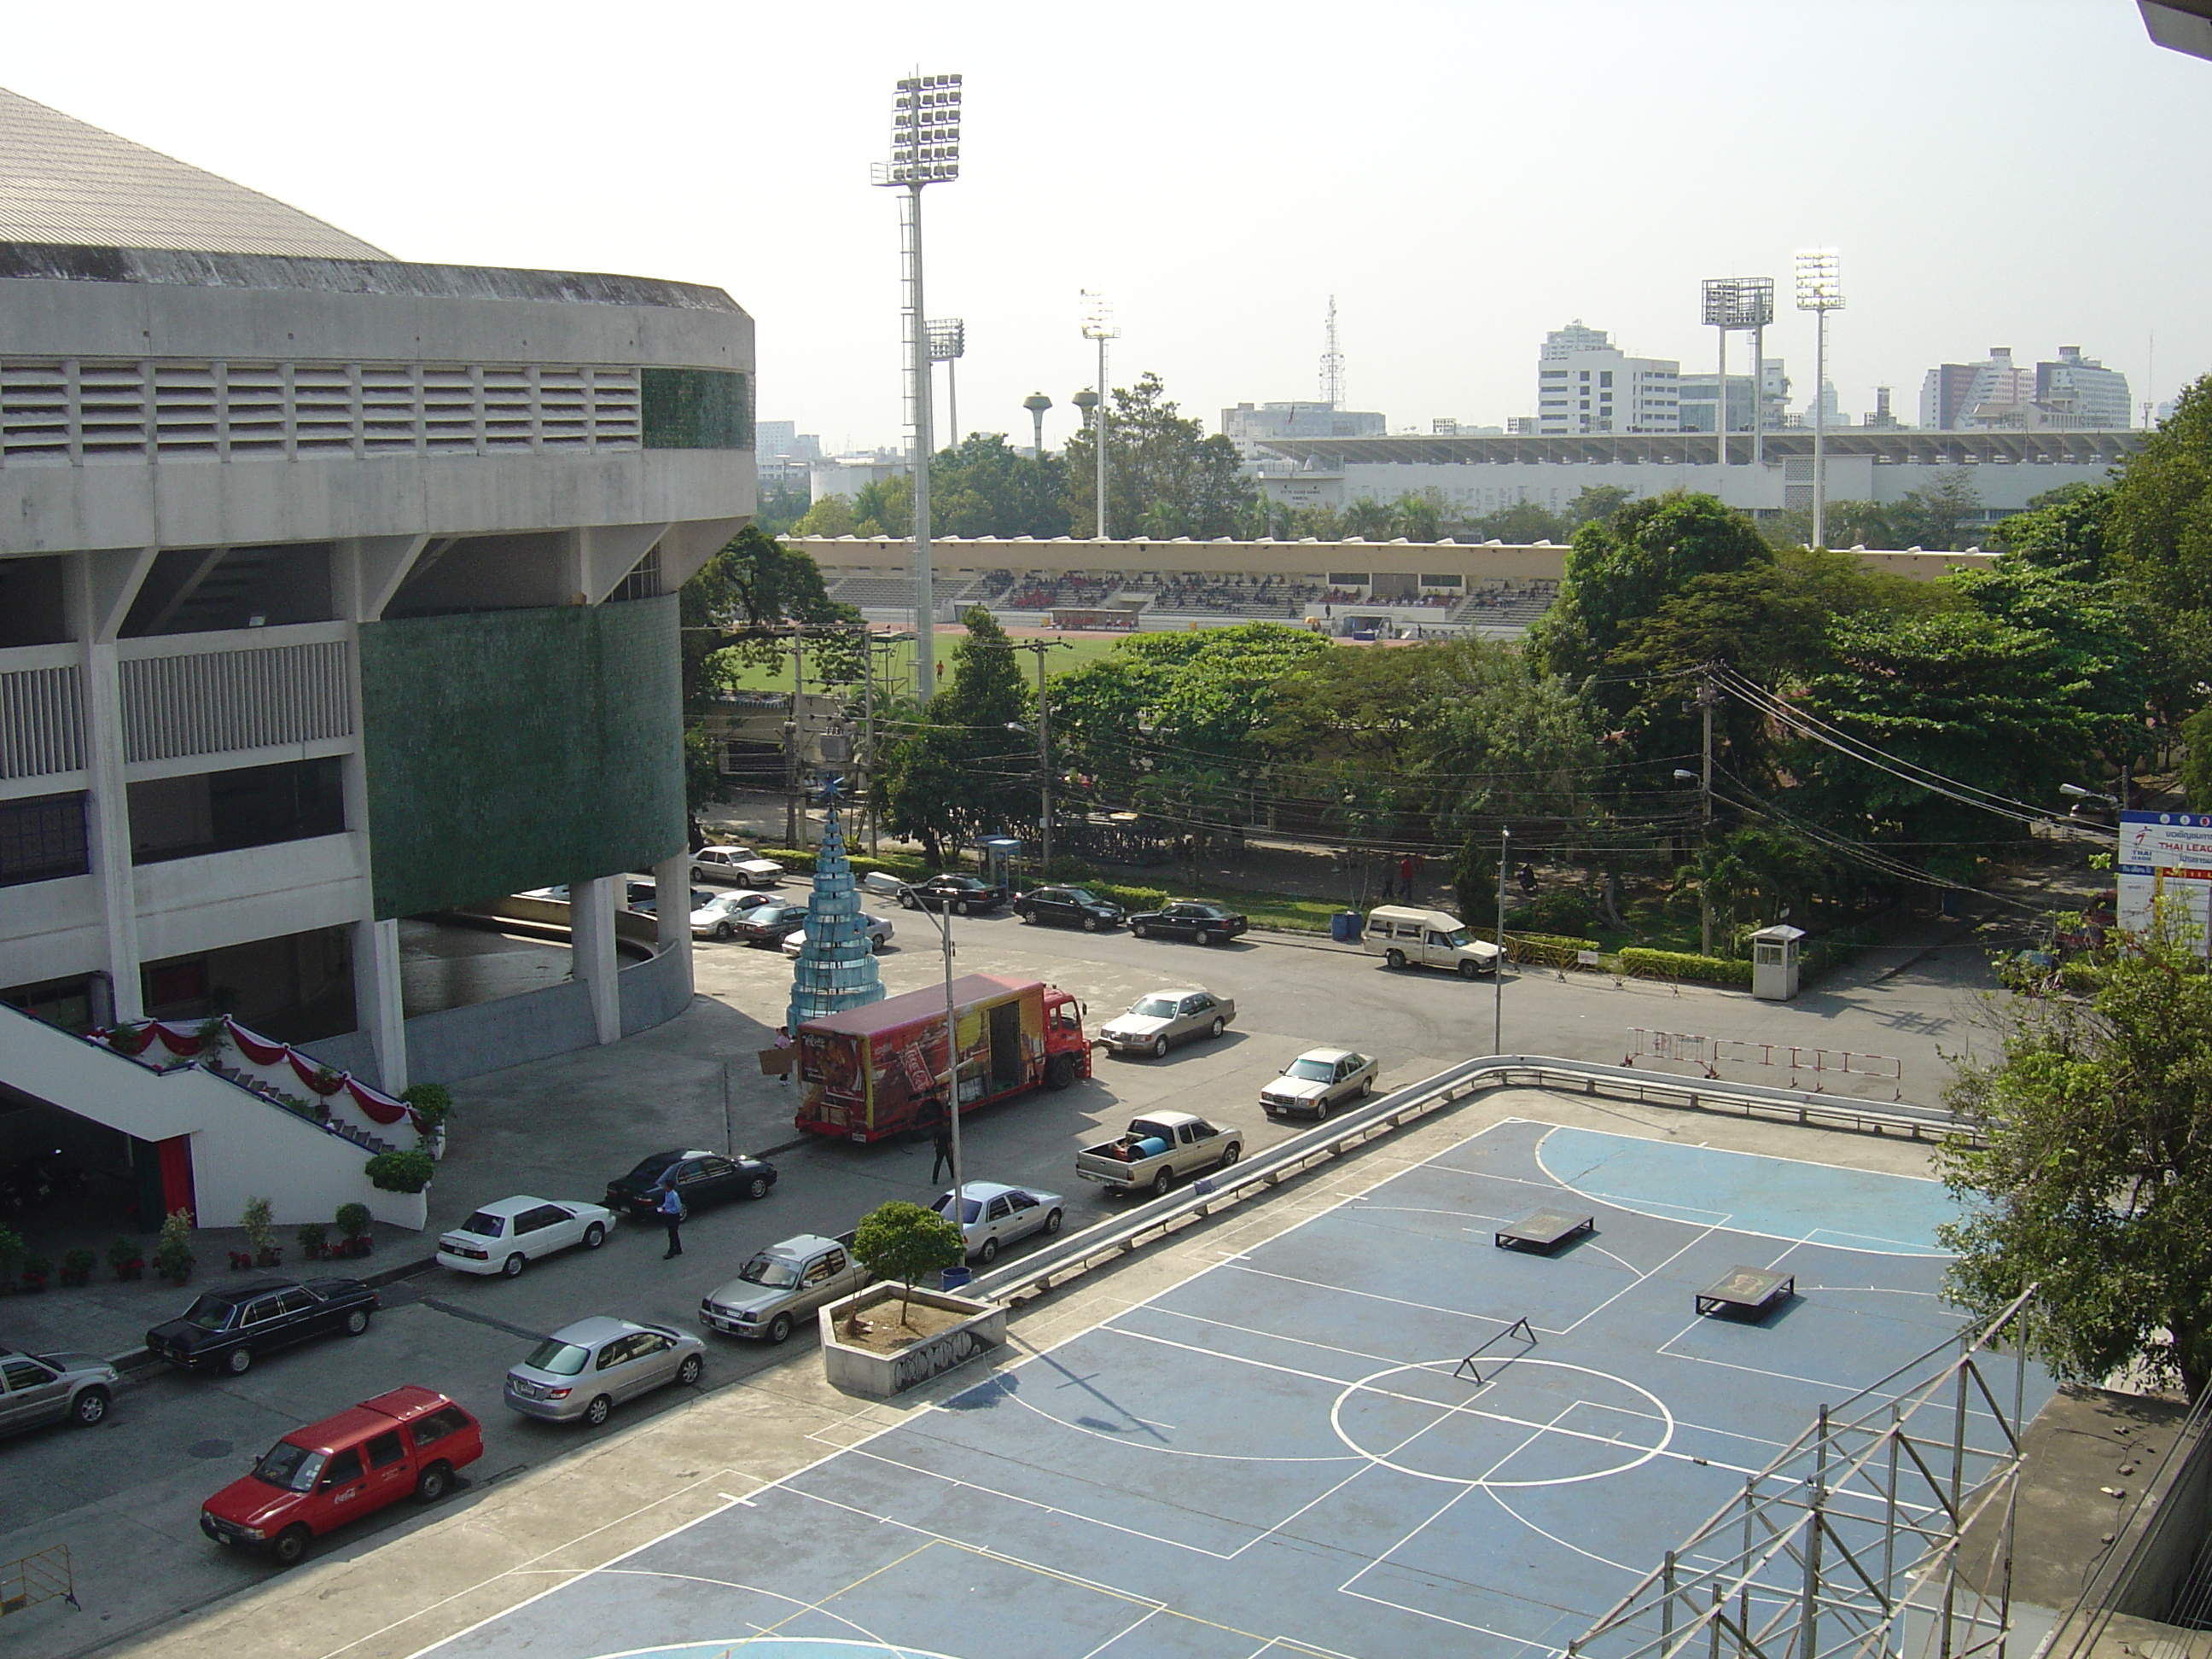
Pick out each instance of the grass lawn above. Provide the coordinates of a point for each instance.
(1075, 650)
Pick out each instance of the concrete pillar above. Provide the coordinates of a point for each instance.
(591, 959)
(101, 587)
(671, 907)
(378, 1006)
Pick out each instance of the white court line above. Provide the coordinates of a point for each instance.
(1394, 1300)
(1633, 1572)
(1146, 1618)
(797, 1604)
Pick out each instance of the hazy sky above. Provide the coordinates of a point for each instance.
(1462, 176)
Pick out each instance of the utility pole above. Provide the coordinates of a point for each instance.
(794, 819)
(1498, 969)
(1708, 695)
(1044, 763)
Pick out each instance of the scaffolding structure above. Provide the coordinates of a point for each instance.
(1853, 1543)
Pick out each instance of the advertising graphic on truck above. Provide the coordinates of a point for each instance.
(869, 1072)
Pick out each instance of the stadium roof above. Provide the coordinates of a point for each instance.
(65, 182)
(1694, 448)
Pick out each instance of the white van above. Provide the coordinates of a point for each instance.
(1427, 938)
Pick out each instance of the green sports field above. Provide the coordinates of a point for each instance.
(1072, 651)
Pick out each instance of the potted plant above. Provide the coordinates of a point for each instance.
(30, 1278)
(434, 1105)
(123, 1256)
(77, 1265)
(399, 1172)
(11, 1252)
(312, 1239)
(326, 1080)
(260, 1234)
(130, 1040)
(352, 1221)
(172, 1256)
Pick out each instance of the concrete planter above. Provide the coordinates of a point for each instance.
(880, 1375)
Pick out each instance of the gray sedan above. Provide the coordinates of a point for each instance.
(1319, 1079)
(1167, 1017)
(46, 1388)
(993, 1215)
(584, 1370)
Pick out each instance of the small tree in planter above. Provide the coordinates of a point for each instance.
(124, 1256)
(399, 1172)
(313, 1240)
(352, 1221)
(434, 1105)
(172, 1256)
(903, 1241)
(77, 1265)
(30, 1278)
(261, 1233)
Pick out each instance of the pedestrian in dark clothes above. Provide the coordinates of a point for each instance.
(1386, 877)
(671, 1216)
(943, 1145)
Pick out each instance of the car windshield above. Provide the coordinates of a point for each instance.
(559, 1358)
(1457, 937)
(970, 1208)
(1312, 1071)
(484, 1225)
(210, 1313)
(1155, 1008)
(290, 1468)
(766, 1270)
(648, 1171)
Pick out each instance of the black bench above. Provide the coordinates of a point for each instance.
(1747, 1291)
(1544, 1229)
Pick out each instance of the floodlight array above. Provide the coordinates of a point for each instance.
(924, 131)
(948, 338)
(1820, 285)
(1741, 303)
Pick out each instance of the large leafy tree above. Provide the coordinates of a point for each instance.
(955, 771)
(986, 488)
(1165, 476)
(1941, 515)
(2094, 1179)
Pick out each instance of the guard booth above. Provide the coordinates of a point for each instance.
(999, 852)
(1774, 962)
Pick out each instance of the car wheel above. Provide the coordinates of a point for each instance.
(1025, 915)
(910, 902)
(599, 1411)
(1320, 1109)
(723, 931)
(1140, 930)
(357, 1321)
(883, 943)
(89, 1408)
(1468, 970)
(697, 875)
(1218, 1026)
(1159, 1047)
(514, 1265)
(756, 1187)
(594, 1235)
(238, 1361)
(1161, 1181)
(1060, 1072)
(960, 907)
(987, 1252)
(1205, 937)
(1366, 1087)
(290, 1548)
(779, 1328)
(1091, 924)
(1393, 959)
(1230, 1154)
(1052, 1224)
(433, 1483)
(687, 1374)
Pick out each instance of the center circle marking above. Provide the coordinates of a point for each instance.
(1366, 1385)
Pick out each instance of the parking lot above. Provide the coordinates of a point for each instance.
(124, 1497)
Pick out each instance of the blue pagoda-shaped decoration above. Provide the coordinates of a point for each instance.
(836, 959)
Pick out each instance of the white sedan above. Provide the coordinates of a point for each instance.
(993, 1215)
(879, 935)
(506, 1236)
(718, 916)
(739, 865)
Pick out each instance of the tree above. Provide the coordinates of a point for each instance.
(986, 488)
(2062, 530)
(957, 770)
(1522, 524)
(884, 507)
(1937, 518)
(1596, 502)
(780, 507)
(2094, 1179)
(901, 1241)
(1847, 524)
(2159, 525)
(830, 516)
(1165, 477)
(754, 582)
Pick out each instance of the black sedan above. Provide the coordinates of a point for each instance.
(960, 893)
(770, 924)
(1067, 907)
(700, 1178)
(1209, 924)
(229, 1330)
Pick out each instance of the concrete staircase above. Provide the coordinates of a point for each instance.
(243, 1144)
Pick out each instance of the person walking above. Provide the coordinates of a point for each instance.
(783, 1044)
(943, 1145)
(671, 1209)
(1406, 876)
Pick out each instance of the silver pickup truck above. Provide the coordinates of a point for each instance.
(1158, 1150)
(783, 1284)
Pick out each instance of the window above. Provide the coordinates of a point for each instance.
(384, 1450)
(42, 838)
(1000, 1209)
(344, 1467)
(25, 1374)
(818, 1271)
(295, 1301)
(1605, 377)
(447, 1420)
(613, 1354)
(266, 1309)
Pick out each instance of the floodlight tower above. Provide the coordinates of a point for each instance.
(1037, 402)
(1745, 304)
(948, 344)
(1098, 325)
(925, 150)
(1820, 290)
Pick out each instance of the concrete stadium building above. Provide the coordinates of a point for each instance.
(334, 590)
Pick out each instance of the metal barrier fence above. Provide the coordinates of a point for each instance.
(43, 1576)
(1692, 1048)
(1077, 1252)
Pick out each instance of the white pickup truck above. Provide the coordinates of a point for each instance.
(1158, 1150)
(782, 1284)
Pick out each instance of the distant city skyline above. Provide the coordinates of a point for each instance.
(1434, 190)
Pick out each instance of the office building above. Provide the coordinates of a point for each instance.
(1584, 383)
(1248, 426)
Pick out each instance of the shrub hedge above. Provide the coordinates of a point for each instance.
(1683, 964)
(1545, 950)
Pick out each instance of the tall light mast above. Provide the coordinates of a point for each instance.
(1820, 290)
(1098, 325)
(1332, 363)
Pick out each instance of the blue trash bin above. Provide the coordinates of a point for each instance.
(953, 1279)
(1344, 926)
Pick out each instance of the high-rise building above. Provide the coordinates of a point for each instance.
(1694, 411)
(1584, 383)
(1882, 420)
(2082, 392)
(1249, 426)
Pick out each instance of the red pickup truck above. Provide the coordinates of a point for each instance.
(321, 1476)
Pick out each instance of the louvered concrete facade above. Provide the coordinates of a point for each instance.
(259, 483)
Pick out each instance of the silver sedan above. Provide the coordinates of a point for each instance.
(1319, 1079)
(584, 1370)
(993, 1215)
(1168, 1017)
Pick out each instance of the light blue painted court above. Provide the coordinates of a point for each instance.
(1768, 1197)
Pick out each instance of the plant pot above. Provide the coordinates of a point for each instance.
(860, 1371)
(241, 1260)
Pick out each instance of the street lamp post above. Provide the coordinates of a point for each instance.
(925, 150)
(941, 919)
(1098, 325)
(1820, 290)
(1498, 969)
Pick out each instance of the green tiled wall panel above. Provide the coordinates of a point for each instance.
(697, 409)
(518, 749)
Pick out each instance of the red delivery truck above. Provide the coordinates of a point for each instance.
(868, 1073)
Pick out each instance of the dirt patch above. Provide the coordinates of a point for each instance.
(878, 1329)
